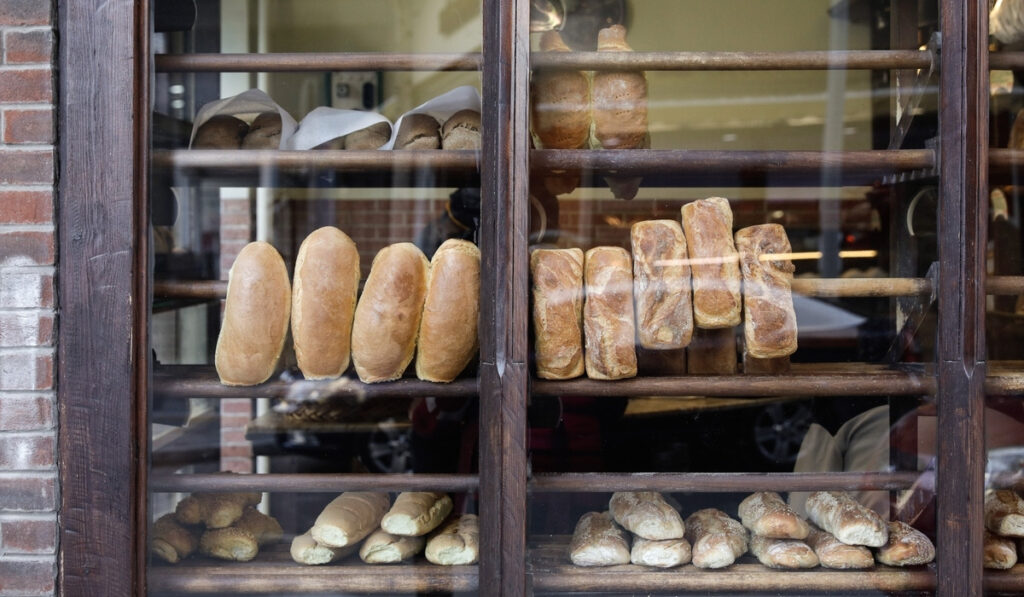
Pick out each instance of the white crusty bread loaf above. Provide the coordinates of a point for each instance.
(833, 553)
(646, 514)
(714, 262)
(767, 515)
(661, 285)
(256, 315)
(416, 513)
(598, 541)
(666, 553)
(305, 550)
(387, 317)
(782, 553)
(349, 518)
(769, 325)
(906, 546)
(326, 283)
(608, 326)
(850, 522)
(999, 552)
(1004, 513)
(382, 547)
(448, 329)
(716, 539)
(455, 543)
(557, 278)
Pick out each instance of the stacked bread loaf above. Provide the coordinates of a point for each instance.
(656, 528)
(1004, 525)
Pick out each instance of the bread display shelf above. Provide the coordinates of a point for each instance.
(550, 570)
(274, 423)
(1005, 377)
(1006, 60)
(1005, 165)
(312, 483)
(722, 482)
(1008, 581)
(336, 61)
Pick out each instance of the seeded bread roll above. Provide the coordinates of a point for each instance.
(264, 528)
(324, 302)
(305, 550)
(461, 130)
(619, 108)
(714, 267)
(608, 325)
(833, 553)
(666, 553)
(256, 315)
(416, 513)
(221, 132)
(1000, 552)
(382, 547)
(598, 541)
(448, 338)
(767, 515)
(850, 522)
(716, 538)
(264, 132)
(455, 543)
(906, 546)
(557, 276)
(1004, 513)
(419, 131)
(769, 326)
(712, 352)
(372, 137)
(782, 553)
(171, 541)
(387, 317)
(646, 514)
(661, 285)
(234, 545)
(215, 510)
(349, 518)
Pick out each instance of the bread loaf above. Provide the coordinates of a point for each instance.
(326, 283)
(1000, 552)
(782, 553)
(714, 266)
(850, 522)
(557, 276)
(305, 550)
(767, 515)
(769, 325)
(256, 315)
(349, 518)
(418, 131)
(666, 553)
(382, 547)
(1004, 513)
(265, 529)
(608, 325)
(264, 132)
(235, 545)
(833, 553)
(215, 510)
(372, 137)
(712, 352)
(172, 542)
(387, 317)
(455, 543)
(598, 541)
(716, 538)
(461, 130)
(416, 513)
(661, 285)
(220, 132)
(646, 514)
(448, 329)
(906, 546)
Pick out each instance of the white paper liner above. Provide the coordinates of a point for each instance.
(323, 124)
(246, 106)
(441, 108)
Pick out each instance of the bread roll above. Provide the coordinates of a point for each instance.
(646, 514)
(782, 553)
(372, 137)
(264, 132)
(418, 131)
(716, 538)
(255, 317)
(666, 553)
(382, 547)
(324, 293)
(906, 546)
(661, 285)
(598, 541)
(172, 542)
(1004, 513)
(608, 325)
(461, 130)
(235, 545)
(349, 518)
(769, 326)
(833, 553)
(215, 510)
(557, 276)
(448, 338)
(416, 513)
(305, 550)
(714, 265)
(712, 352)
(767, 515)
(850, 522)
(264, 528)
(220, 132)
(1000, 552)
(387, 317)
(455, 543)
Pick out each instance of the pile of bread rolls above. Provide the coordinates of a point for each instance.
(408, 305)
(642, 528)
(386, 533)
(681, 288)
(1004, 526)
(224, 131)
(226, 526)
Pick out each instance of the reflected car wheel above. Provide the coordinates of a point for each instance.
(779, 430)
(389, 450)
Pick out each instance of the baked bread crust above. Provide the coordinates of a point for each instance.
(769, 328)
(448, 338)
(557, 276)
(608, 325)
(714, 265)
(661, 285)
(598, 541)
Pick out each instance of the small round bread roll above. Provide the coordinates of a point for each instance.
(419, 131)
(264, 132)
(461, 131)
(221, 132)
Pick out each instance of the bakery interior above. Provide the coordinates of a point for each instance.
(838, 227)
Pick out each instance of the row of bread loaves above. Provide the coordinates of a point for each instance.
(1004, 522)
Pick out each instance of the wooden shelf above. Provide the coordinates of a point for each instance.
(1006, 60)
(1005, 377)
(1005, 581)
(311, 61)
(312, 483)
(722, 482)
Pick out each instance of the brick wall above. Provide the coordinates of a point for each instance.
(28, 474)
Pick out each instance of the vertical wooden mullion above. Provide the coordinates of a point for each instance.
(962, 232)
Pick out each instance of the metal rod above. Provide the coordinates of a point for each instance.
(311, 483)
(723, 482)
(295, 62)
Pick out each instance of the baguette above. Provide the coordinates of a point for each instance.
(833, 553)
(382, 547)
(712, 352)
(172, 542)
(767, 515)
(305, 550)
(558, 312)
(661, 285)
(349, 518)
(1004, 513)
(714, 267)
(1000, 552)
(716, 538)
(455, 543)
(850, 522)
(448, 328)
(416, 513)
(769, 328)
(666, 553)
(598, 541)
(782, 553)
(906, 546)
(608, 325)
(323, 302)
(647, 515)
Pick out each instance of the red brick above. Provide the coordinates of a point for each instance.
(26, 166)
(28, 494)
(36, 247)
(25, 289)
(35, 537)
(236, 465)
(25, 413)
(28, 577)
(234, 421)
(235, 234)
(26, 452)
(25, 12)
(26, 370)
(28, 126)
(25, 328)
(236, 451)
(232, 436)
(240, 218)
(22, 47)
(26, 85)
(236, 405)
(26, 207)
